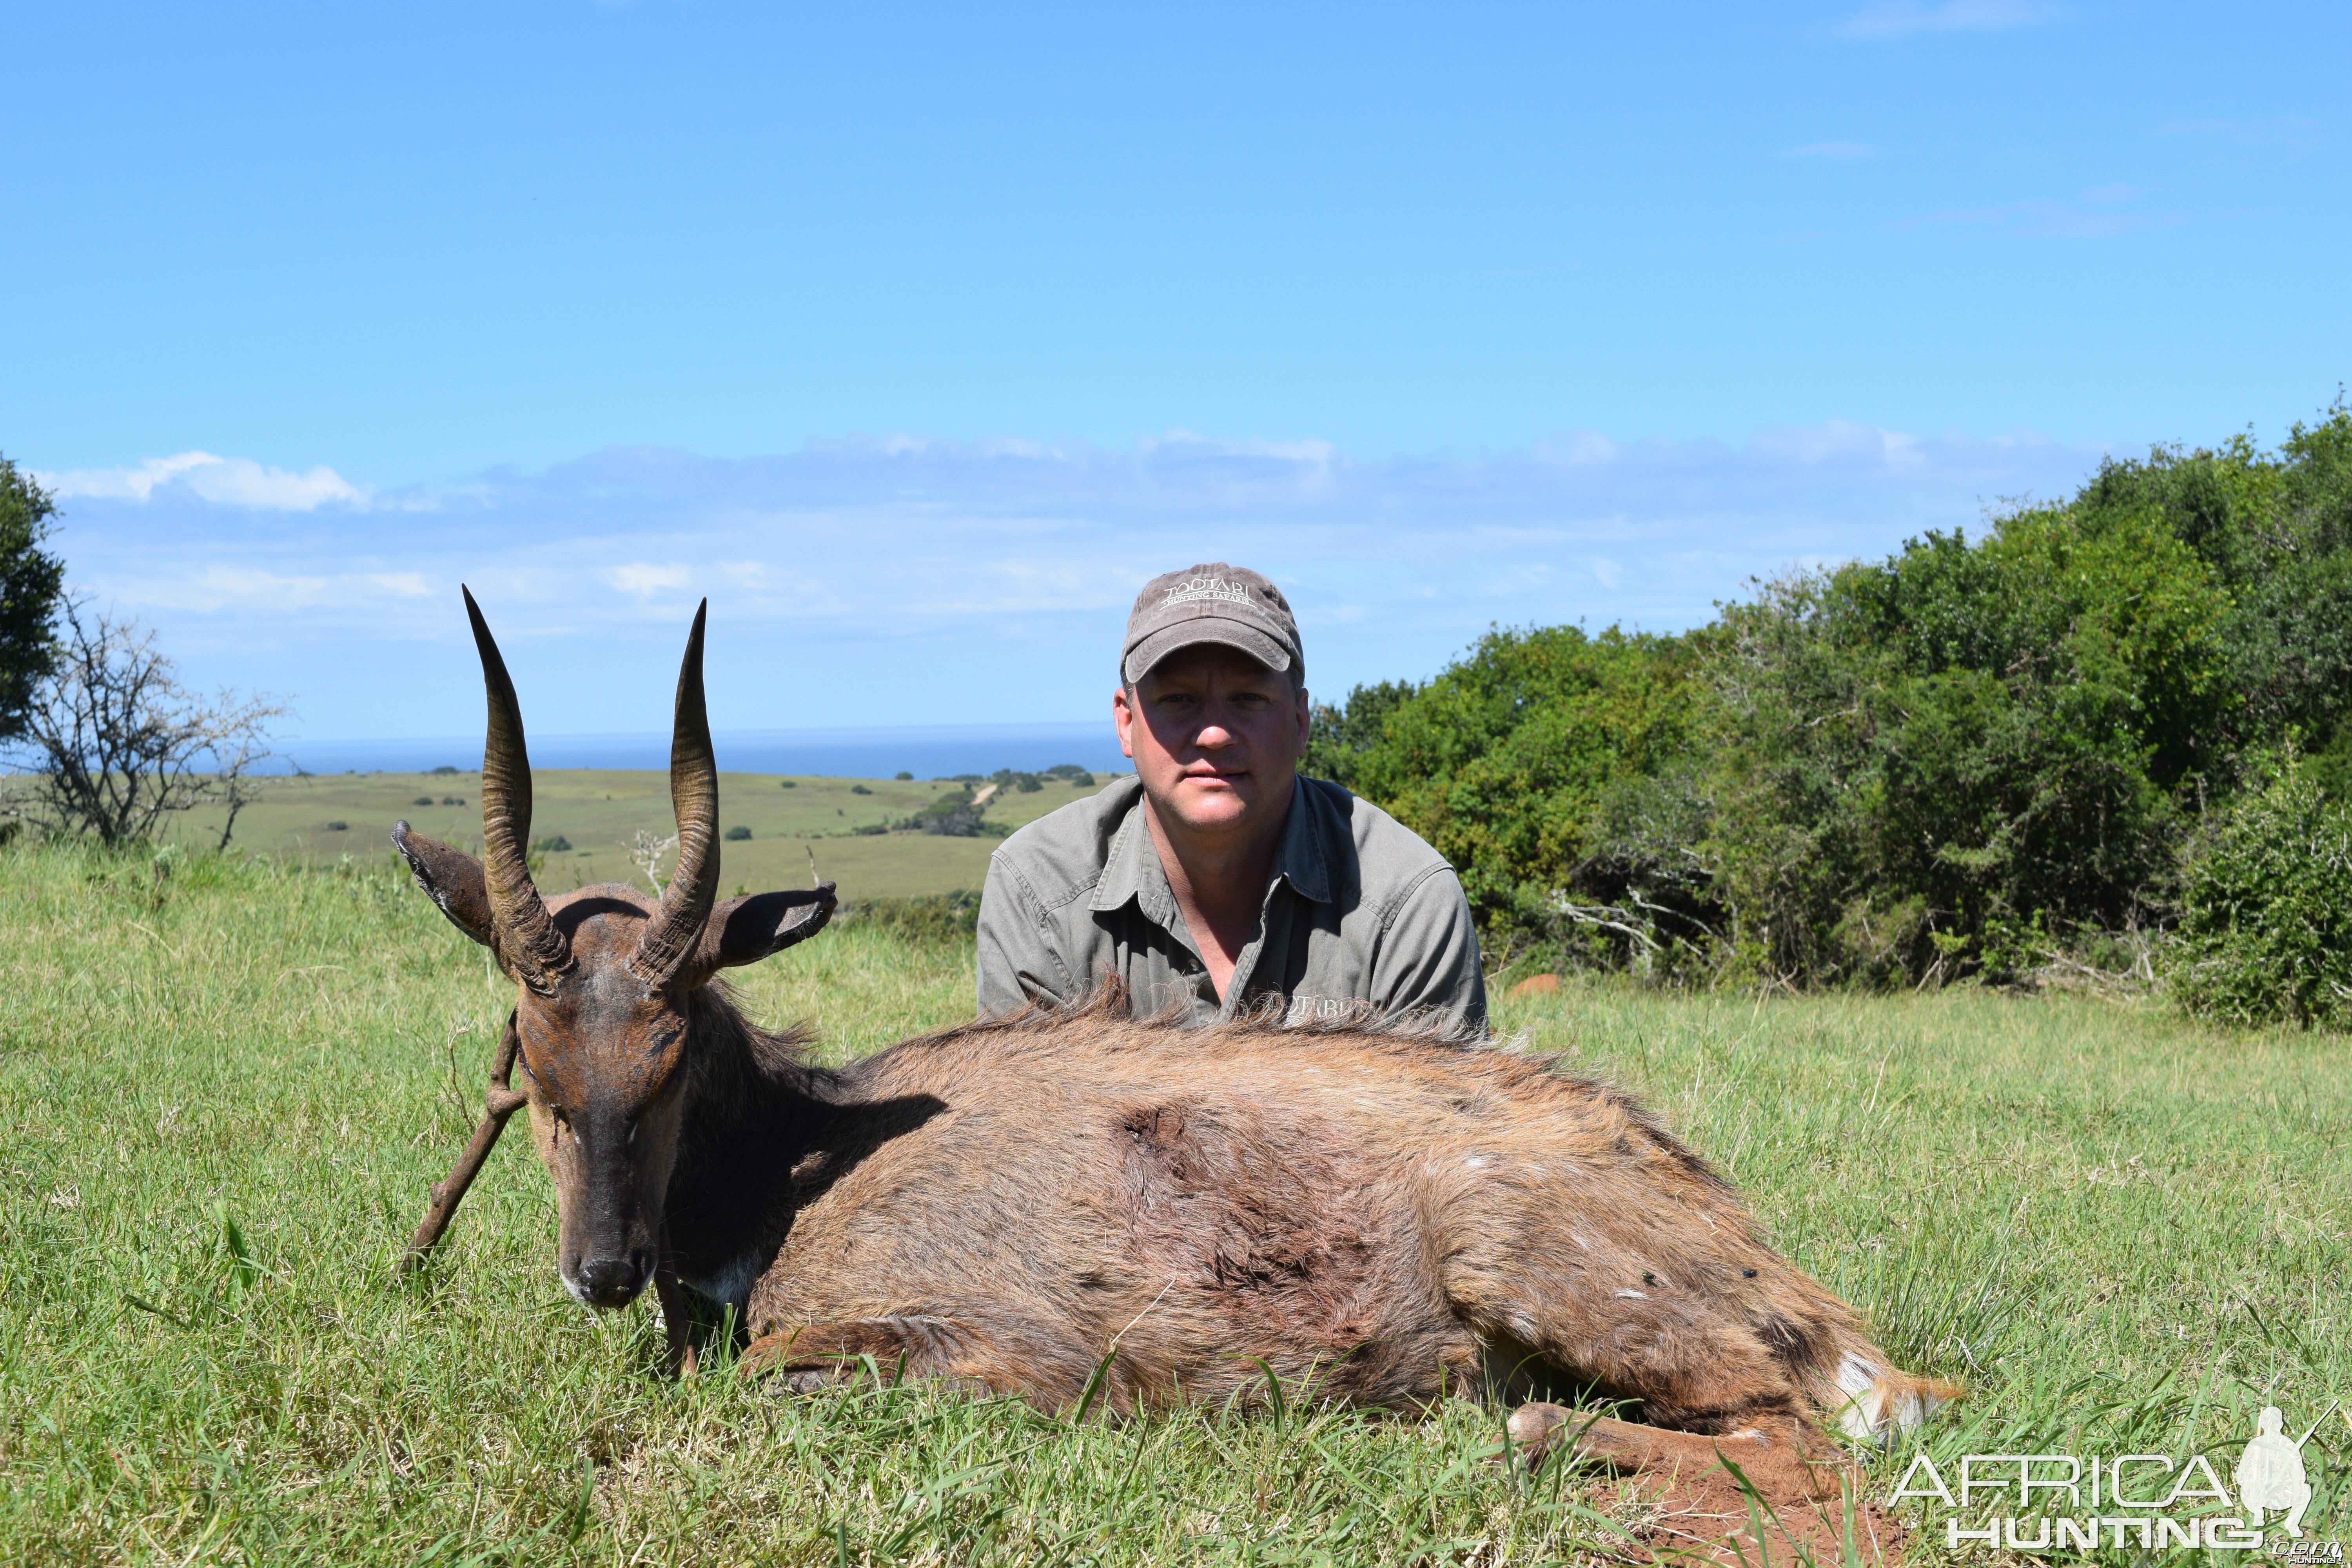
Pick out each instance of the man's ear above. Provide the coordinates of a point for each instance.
(745, 931)
(450, 878)
(1124, 712)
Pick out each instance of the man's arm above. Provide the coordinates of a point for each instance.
(1428, 957)
(1018, 964)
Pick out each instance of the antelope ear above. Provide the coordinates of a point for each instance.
(451, 879)
(745, 931)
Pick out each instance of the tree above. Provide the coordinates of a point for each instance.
(119, 744)
(30, 583)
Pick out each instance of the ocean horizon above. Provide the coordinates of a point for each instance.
(927, 752)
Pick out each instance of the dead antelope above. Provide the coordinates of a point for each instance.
(1064, 1200)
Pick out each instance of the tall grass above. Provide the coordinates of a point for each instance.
(226, 1089)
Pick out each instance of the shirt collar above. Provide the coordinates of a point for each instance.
(1131, 869)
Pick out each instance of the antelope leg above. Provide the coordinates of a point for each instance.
(499, 1102)
(672, 1296)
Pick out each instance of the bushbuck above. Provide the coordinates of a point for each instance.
(1074, 1206)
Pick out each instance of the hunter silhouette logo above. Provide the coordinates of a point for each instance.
(2270, 1473)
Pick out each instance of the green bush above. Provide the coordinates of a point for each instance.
(2265, 930)
(953, 815)
(553, 844)
(737, 833)
(788, 783)
(859, 789)
(1503, 760)
(1338, 736)
(1964, 739)
(1982, 750)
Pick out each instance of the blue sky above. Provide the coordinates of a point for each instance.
(918, 337)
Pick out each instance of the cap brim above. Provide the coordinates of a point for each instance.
(1191, 633)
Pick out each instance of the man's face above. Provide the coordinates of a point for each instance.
(1215, 735)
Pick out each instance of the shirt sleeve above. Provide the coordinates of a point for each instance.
(1428, 957)
(1018, 964)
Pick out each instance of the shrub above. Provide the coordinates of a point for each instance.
(460, 800)
(1961, 740)
(1338, 737)
(903, 776)
(553, 844)
(1072, 774)
(736, 835)
(339, 825)
(2265, 930)
(1503, 760)
(422, 800)
(445, 770)
(1953, 760)
(951, 815)
(788, 783)
(31, 588)
(859, 789)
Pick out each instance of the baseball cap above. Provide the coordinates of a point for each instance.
(1214, 602)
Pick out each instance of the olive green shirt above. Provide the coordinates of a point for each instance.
(1358, 910)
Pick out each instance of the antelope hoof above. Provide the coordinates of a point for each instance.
(1535, 1428)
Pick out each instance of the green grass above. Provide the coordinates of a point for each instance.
(321, 819)
(224, 1094)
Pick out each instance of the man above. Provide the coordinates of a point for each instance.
(1216, 878)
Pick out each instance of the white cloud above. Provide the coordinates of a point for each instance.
(226, 482)
(1907, 18)
(643, 580)
(901, 580)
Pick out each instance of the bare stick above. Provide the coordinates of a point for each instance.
(499, 1102)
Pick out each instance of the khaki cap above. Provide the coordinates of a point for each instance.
(1213, 603)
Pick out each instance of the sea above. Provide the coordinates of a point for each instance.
(936, 751)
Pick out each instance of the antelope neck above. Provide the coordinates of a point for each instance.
(754, 1112)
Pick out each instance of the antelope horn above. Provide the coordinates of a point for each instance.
(686, 904)
(526, 938)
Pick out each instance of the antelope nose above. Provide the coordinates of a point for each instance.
(611, 1281)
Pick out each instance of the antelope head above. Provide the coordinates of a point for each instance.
(605, 983)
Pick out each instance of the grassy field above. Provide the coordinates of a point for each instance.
(225, 1091)
(599, 811)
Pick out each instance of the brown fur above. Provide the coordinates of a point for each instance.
(1388, 1216)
